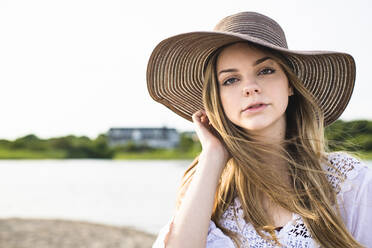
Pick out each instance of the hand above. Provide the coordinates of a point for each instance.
(208, 135)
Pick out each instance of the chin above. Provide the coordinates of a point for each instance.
(255, 127)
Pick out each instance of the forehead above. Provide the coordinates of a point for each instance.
(238, 53)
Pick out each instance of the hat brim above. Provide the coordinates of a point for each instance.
(175, 72)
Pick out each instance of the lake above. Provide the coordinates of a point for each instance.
(139, 194)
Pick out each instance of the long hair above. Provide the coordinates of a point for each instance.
(248, 177)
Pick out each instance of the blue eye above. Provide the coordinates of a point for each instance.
(230, 81)
(266, 71)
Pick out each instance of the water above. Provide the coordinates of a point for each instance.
(139, 194)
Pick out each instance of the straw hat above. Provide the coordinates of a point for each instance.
(175, 68)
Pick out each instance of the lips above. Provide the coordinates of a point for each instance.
(254, 105)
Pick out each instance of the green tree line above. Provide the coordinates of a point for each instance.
(353, 136)
(350, 136)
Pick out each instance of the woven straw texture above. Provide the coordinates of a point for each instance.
(175, 68)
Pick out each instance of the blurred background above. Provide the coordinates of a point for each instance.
(82, 144)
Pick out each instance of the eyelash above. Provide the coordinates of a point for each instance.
(271, 69)
(260, 73)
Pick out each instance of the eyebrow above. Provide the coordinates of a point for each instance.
(259, 61)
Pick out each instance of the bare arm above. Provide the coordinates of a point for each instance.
(191, 222)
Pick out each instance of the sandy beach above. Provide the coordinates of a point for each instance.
(41, 233)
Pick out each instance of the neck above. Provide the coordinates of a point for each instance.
(273, 134)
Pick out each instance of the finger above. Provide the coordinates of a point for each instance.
(197, 115)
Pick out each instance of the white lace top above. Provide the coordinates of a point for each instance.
(354, 198)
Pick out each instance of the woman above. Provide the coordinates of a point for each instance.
(264, 177)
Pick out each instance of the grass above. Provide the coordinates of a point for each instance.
(365, 155)
(158, 154)
(162, 154)
(27, 154)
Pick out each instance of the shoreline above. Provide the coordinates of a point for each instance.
(59, 233)
(154, 155)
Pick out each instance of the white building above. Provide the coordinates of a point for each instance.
(155, 137)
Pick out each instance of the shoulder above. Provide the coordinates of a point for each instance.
(345, 162)
(355, 195)
(354, 187)
(351, 171)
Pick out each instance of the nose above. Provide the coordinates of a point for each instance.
(251, 88)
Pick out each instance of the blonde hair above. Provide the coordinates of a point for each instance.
(303, 150)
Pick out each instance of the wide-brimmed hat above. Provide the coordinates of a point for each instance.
(175, 68)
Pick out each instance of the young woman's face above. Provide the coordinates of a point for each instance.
(248, 76)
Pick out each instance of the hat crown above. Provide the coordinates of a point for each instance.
(254, 24)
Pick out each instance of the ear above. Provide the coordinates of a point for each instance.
(290, 91)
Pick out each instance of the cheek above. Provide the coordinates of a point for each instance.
(228, 102)
(282, 92)
(282, 100)
(284, 104)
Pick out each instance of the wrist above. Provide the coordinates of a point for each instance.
(214, 154)
(211, 160)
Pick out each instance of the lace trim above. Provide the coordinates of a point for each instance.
(349, 168)
(215, 233)
(294, 233)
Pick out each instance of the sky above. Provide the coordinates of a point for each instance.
(79, 66)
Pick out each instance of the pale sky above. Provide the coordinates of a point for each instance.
(79, 66)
